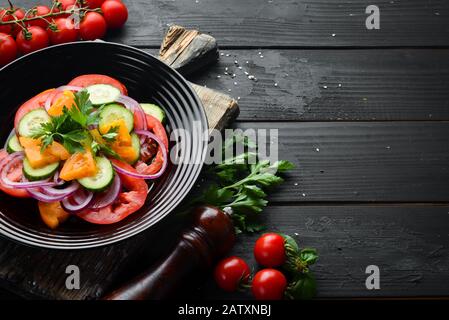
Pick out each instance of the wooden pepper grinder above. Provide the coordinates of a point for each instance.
(210, 236)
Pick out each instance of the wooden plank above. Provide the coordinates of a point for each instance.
(287, 23)
(322, 85)
(363, 161)
(410, 245)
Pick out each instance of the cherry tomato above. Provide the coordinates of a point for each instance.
(42, 22)
(231, 272)
(93, 26)
(66, 31)
(15, 174)
(5, 17)
(93, 4)
(127, 202)
(39, 40)
(19, 14)
(67, 4)
(91, 79)
(8, 49)
(269, 250)
(269, 284)
(115, 13)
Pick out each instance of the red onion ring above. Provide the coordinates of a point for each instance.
(135, 108)
(12, 160)
(107, 197)
(37, 194)
(57, 180)
(73, 206)
(50, 98)
(69, 190)
(147, 176)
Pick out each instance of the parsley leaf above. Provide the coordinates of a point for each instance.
(111, 135)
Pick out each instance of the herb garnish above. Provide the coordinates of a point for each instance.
(240, 185)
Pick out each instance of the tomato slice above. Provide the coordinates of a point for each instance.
(37, 101)
(127, 202)
(15, 175)
(158, 129)
(52, 213)
(91, 79)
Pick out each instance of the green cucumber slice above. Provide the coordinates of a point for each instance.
(115, 111)
(154, 110)
(13, 145)
(102, 93)
(33, 174)
(32, 121)
(136, 146)
(103, 179)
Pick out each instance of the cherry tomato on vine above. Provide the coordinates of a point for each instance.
(115, 13)
(65, 4)
(5, 16)
(93, 26)
(269, 250)
(8, 49)
(231, 272)
(269, 284)
(93, 4)
(42, 22)
(65, 32)
(19, 14)
(38, 40)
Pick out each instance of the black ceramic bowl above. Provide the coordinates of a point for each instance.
(147, 80)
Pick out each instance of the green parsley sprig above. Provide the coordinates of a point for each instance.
(241, 182)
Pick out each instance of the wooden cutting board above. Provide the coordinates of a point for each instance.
(34, 272)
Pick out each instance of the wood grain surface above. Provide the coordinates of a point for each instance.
(362, 113)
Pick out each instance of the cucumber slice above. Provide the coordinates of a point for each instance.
(135, 143)
(33, 174)
(32, 121)
(13, 144)
(115, 111)
(154, 110)
(103, 179)
(102, 93)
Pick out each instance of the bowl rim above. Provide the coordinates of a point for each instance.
(103, 241)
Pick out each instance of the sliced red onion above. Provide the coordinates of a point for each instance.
(73, 206)
(135, 108)
(67, 191)
(12, 160)
(164, 158)
(37, 194)
(57, 180)
(107, 197)
(50, 98)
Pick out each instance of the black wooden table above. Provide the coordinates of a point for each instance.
(362, 113)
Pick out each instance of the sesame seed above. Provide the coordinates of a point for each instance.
(235, 83)
(226, 68)
(251, 77)
(218, 76)
(317, 149)
(246, 73)
(333, 34)
(221, 54)
(325, 87)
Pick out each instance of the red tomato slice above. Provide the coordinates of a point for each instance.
(158, 129)
(37, 101)
(14, 175)
(91, 79)
(127, 202)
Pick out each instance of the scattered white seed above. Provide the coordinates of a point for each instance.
(251, 77)
(317, 149)
(226, 68)
(238, 98)
(236, 62)
(296, 234)
(303, 194)
(218, 76)
(233, 75)
(246, 73)
(333, 34)
(260, 53)
(261, 57)
(229, 90)
(339, 85)
(221, 54)
(240, 68)
(247, 62)
(437, 13)
(296, 183)
(228, 55)
(388, 147)
(325, 87)
(275, 84)
(235, 83)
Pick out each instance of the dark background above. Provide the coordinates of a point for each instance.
(362, 113)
